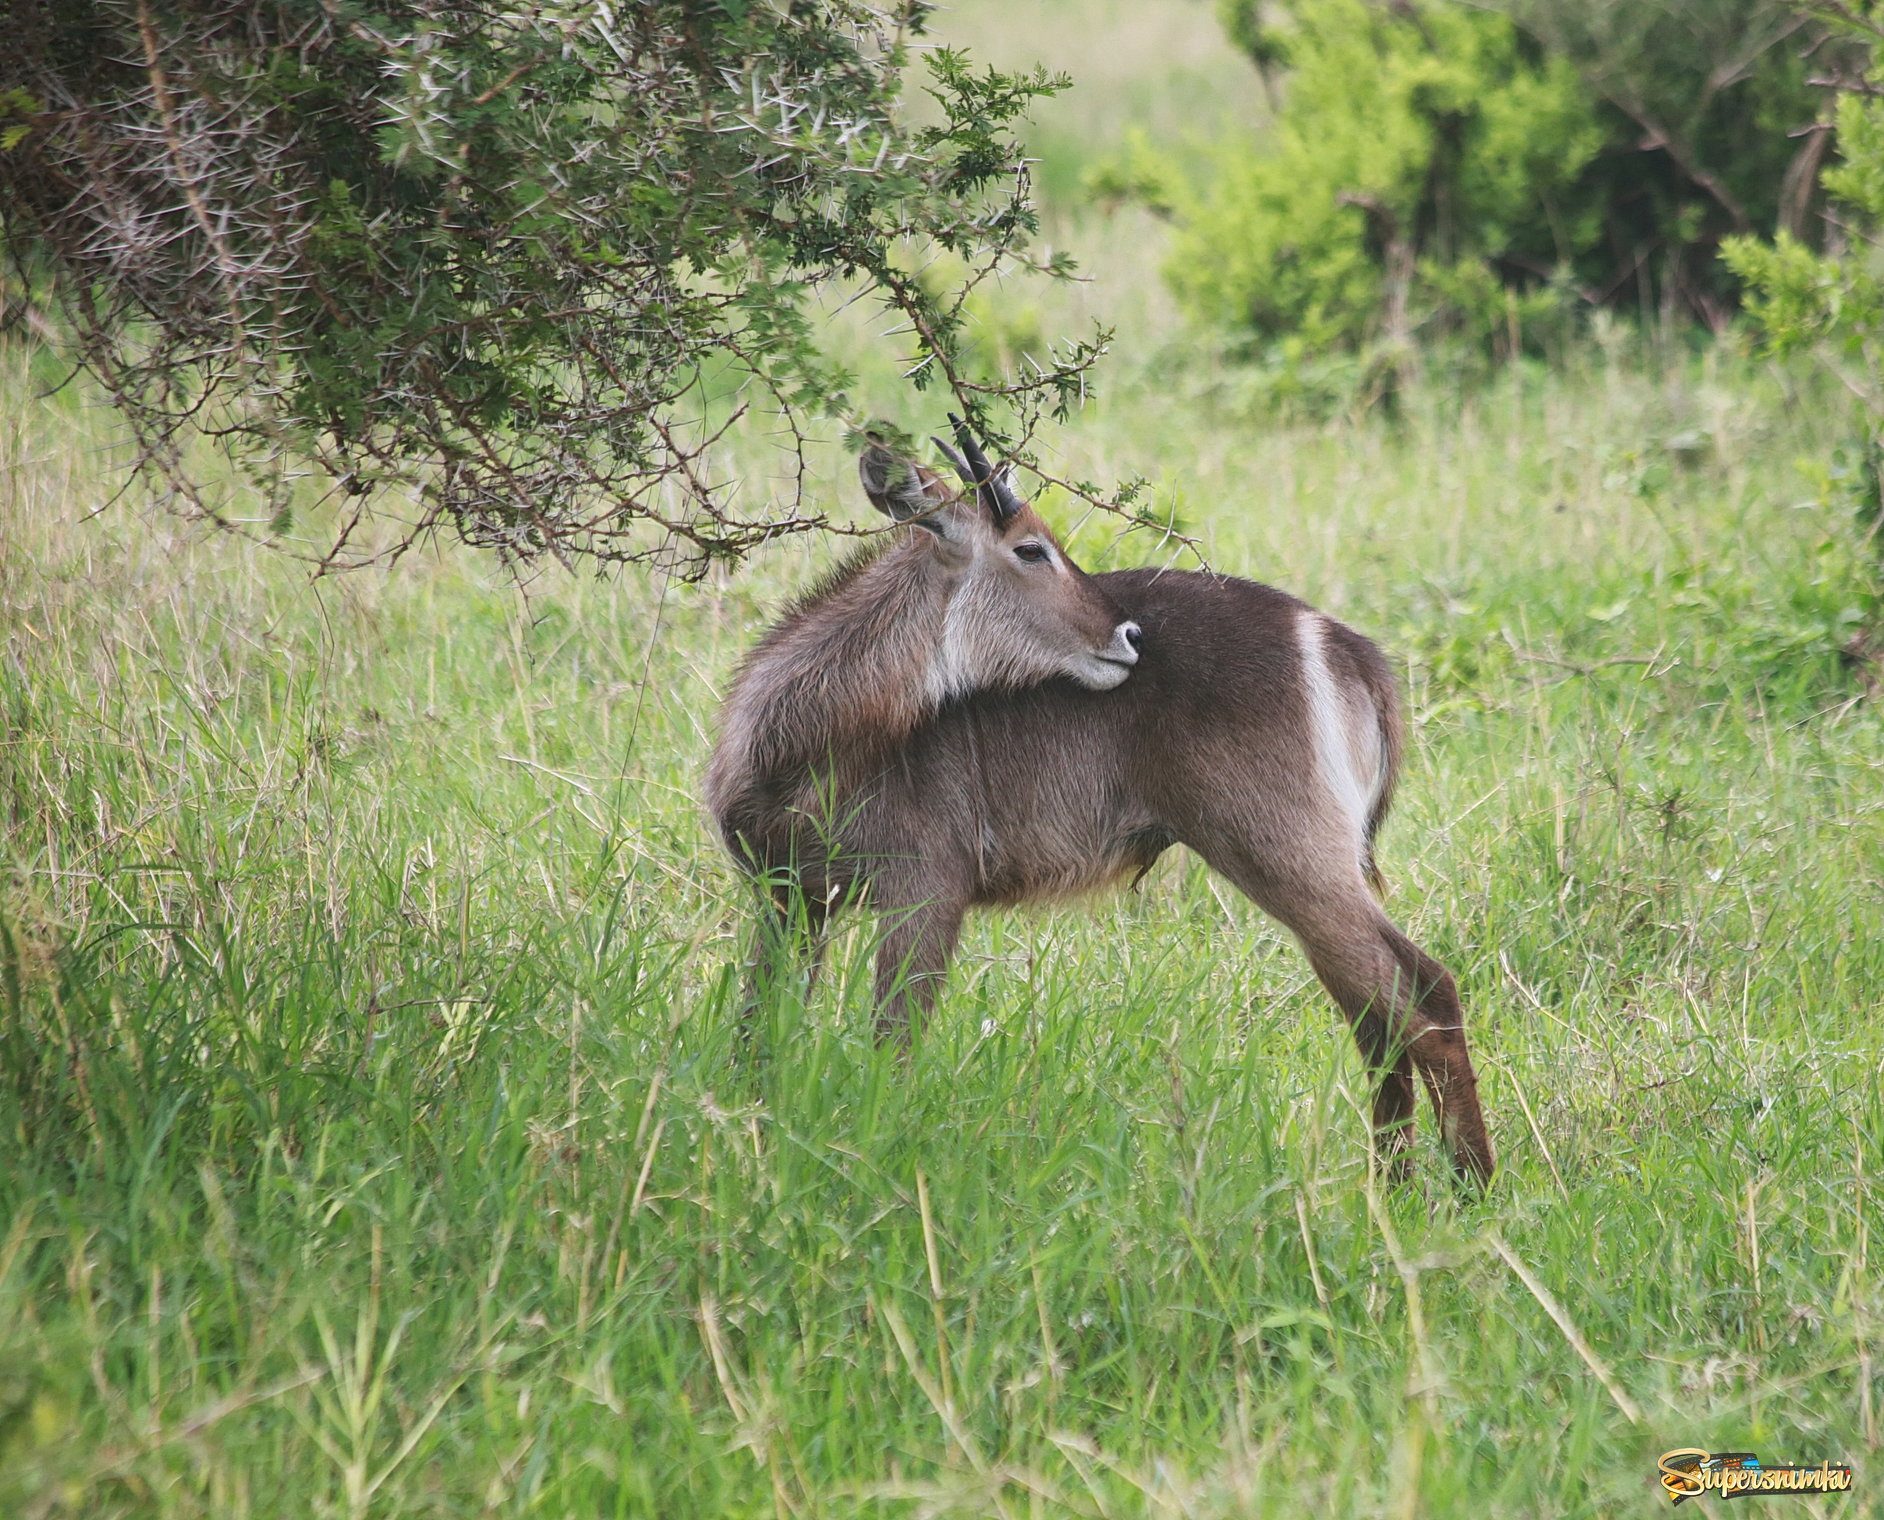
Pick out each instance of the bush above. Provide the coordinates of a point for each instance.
(1444, 168)
(1830, 301)
(1407, 152)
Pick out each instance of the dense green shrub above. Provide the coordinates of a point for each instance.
(1443, 167)
(1830, 301)
(1409, 150)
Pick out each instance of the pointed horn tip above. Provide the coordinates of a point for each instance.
(971, 447)
(953, 456)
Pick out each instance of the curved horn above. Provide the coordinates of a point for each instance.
(962, 467)
(990, 485)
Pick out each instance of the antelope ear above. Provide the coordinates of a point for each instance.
(901, 489)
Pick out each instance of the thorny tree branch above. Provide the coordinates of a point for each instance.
(444, 263)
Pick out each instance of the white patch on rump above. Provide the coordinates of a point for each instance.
(1346, 731)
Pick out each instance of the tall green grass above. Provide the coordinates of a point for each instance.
(375, 1138)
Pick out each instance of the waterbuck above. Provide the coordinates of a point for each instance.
(966, 718)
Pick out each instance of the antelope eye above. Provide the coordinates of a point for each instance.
(1032, 552)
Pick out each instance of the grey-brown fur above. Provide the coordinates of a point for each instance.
(842, 776)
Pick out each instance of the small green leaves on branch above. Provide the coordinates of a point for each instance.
(511, 272)
(1831, 300)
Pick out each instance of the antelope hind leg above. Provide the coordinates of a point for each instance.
(1391, 988)
(1435, 1039)
(1394, 1103)
(1401, 1005)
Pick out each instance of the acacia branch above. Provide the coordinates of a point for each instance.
(314, 243)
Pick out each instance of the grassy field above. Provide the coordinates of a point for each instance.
(374, 1139)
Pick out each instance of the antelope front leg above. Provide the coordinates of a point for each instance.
(912, 962)
(787, 936)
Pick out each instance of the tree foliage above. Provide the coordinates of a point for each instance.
(512, 270)
(1439, 166)
(1413, 148)
(1830, 300)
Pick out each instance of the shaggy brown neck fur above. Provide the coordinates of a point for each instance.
(842, 675)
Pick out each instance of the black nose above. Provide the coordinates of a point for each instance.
(1134, 635)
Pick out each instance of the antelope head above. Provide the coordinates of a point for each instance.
(1018, 611)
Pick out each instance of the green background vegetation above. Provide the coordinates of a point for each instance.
(1466, 181)
(373, 1140)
